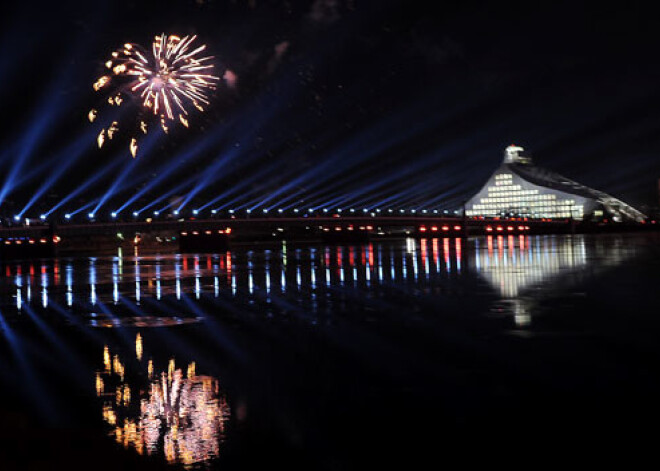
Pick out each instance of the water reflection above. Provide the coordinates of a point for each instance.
(180, 416)
(158, 290)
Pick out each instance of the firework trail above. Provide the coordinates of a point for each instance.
(167, 81)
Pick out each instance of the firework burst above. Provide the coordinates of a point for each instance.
(167, 81)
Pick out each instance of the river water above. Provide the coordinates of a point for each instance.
(391, 354)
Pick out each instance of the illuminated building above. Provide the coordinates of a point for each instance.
(518, 188)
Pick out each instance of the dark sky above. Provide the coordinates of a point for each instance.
(353, 102)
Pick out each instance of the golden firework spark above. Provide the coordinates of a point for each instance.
(168, 80)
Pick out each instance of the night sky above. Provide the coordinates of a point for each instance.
(336, 102)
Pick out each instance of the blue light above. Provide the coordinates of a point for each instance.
(424, 211)
(175, 212)
(352, 210)
(280, 210)
(231, 211)
(136, 214)
(378, 210)
(445, 211)
(248, 211)
(113, 214)
(339, 210)
(390, 210)
(413, 211)
(402, 211)
(265, 211)
(90, 215)
(325, 210)
(156, 213)
(42, 217)
(195, 212)
(295, 210)
(214, 211)
(311, 210)
(435, 211)
(17, 218)
(67, 216)
(365, 210)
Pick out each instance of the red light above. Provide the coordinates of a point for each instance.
(422, 229)
(370, 228)
(499, 228)
(184, 233)
(228, 230)
(207, 232)
(31, 241)
(457, 228)
(18, 242)
(521, 228)
(526, 228)
(43, 241)
(509, 228)
(337, 228)
(195, 233)
(56, 239)
(489, 229)
(434, 228)
(445, 228)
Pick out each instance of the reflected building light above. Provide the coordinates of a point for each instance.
(177, 284)
(367, 273)
(414, 263)
(28, 293)
(312, 275)
(298, 277)
(436, 254)
(137, 291)
(92, 295)
(410, 245)
(250, 282)
(19, 300)
(267, 278)
(355, 276)
(283, 279)
(197, 287)
(216, 286)
(233, 283)
(115, 292)
(380, 272)
(459, 253)
(404, 267)
(327, 277)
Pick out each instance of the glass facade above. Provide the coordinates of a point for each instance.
(504, 197)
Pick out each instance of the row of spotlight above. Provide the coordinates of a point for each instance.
(232, 212)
